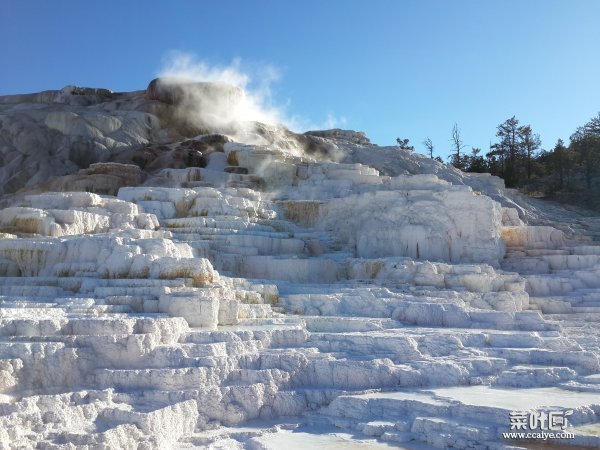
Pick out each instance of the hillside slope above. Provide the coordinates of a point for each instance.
(172, 281)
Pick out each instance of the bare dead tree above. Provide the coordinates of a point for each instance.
(429, 146)
(458, 145)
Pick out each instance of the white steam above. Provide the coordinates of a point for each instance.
(254, 102)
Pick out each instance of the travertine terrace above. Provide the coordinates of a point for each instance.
(167, 285)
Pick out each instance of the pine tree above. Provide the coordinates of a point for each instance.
(585, 142)
(509, 149)
(404, 144)
(530, 143)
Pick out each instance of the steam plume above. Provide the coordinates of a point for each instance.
(252, 102)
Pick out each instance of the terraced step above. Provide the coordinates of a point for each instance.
(463, 416)
(163, 379)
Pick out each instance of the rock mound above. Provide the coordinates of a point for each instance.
(177, 91)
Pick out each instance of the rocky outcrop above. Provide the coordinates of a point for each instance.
(356, 137)
(178, 91)
(69, 95)
(59, 132)
(191, 108)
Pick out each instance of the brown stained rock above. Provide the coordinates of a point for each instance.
(232, 158)
(236, 169)
(175, 91)
(190, 108)
(99, 178)
(304, 212)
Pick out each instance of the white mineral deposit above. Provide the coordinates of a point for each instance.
(232, 287)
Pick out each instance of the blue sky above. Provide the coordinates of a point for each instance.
(389, 68)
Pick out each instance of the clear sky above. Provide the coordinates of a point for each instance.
(389, 68)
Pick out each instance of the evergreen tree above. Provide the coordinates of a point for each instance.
(585, 142)
(404, 144)
(557, 161)
(509, 149)
(476, 162)
(530, 143)
(587, 148)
